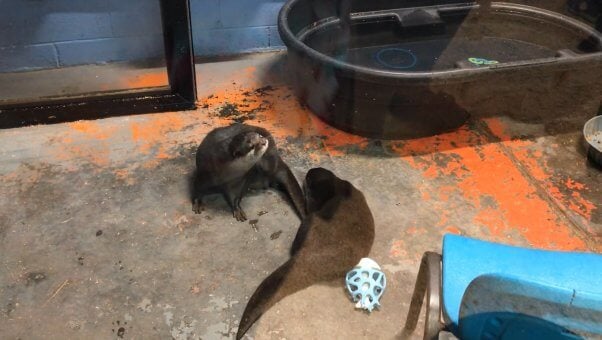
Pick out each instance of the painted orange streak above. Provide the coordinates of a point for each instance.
(249, 72)
(519, 207)
(445, 191)
(337, 141)
(150, 135)
(497, 127)
(92, 130)
(535, 164)
(531, 164)
(411, 230)
(453, 230)
(574, 185)
(86, 140)
(461, 138)
(97, 155)
(284, 117)
(484, 173)
(148, 80)
(399, 250)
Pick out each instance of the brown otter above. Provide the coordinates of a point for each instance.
(232, 158)
(337, 232)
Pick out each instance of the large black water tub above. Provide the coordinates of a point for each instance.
(396, 69)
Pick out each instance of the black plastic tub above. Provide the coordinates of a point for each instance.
(395, 69)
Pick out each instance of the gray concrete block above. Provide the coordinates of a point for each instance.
(230, 41)
(275, 40)
(54, 27)
(109, 50)
(205, 14)
(249, 13)
(116, 30)
(136, 18)
(22, 58)
(25, 23)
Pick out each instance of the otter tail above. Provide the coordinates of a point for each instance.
(286, 179)
(281, 283)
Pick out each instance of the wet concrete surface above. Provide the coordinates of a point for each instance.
(98, 239)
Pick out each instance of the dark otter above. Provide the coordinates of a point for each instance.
(337, 232)
(232, 158)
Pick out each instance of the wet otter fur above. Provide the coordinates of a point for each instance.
(337, 232)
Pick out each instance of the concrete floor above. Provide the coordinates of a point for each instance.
(79, 80)
(98, 239)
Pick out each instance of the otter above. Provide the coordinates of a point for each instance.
(337, 232)
(231, 159)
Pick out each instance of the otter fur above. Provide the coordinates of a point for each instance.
(337, 232)
(231, 159)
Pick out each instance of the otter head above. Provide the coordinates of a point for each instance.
(323, 191)
(248, 145)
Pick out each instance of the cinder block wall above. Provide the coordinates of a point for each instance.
(40, 34)
(226, 27)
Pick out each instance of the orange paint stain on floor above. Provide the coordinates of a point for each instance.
(222, 97)
(571, 184)
(277, 110)
(582, 206)
(336, 141)
(124, 175)
(280, 112)
(290, 110)
(273, 108)
(569, 197)
(415, 231)
(150, 135)
(398, 250)
(92, 129)
(445, 191)
(445, 163)
(86, 141)
(530, 162)
(26, 175)
(461, 138)
(505, 202)
(453, 230)
(249, 72)
(97, 155)
(152, 79)
(401, 250)
(518, 205)
(284, 117)
(439, 155)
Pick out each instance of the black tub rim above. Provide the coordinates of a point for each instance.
(370, 74)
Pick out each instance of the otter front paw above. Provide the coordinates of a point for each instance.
(196, 206)
(239, 215)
